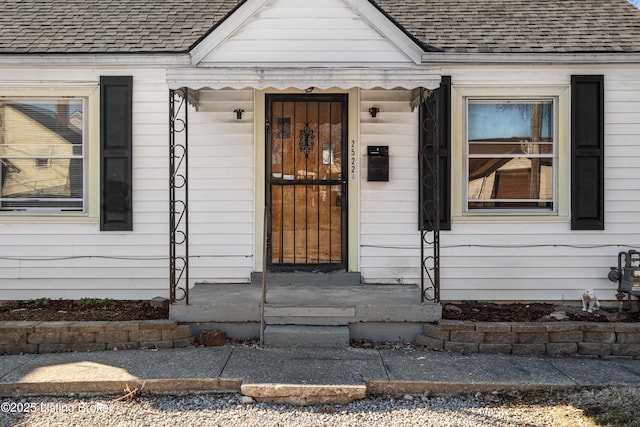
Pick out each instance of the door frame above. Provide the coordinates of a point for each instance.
(344, 211)
(353, 179)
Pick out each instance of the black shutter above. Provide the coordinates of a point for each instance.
(115, 153)
(587, 152)
(435, 128)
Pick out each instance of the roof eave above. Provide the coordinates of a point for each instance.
(531, 58)
(118, 59)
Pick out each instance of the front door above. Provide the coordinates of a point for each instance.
(306, 186)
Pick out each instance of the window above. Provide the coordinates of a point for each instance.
(569, 152)
(511, 155)
(42, 154)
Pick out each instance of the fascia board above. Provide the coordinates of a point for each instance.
(102, 60)
(530, 58)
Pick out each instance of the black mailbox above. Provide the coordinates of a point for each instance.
(378, 164)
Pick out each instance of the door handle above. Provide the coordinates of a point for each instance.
(339, 198)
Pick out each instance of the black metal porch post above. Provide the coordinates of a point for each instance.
(178, 196)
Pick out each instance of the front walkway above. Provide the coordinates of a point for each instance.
(234, 368)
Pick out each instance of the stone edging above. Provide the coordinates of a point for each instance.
(55, 337)
(534, 338)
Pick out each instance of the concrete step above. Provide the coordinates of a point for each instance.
(309, 315)
(287, 336)
(303, 278)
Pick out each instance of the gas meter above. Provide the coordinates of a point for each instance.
(627, 274)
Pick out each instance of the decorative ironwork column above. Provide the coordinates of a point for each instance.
(178, 196)
(429, 197)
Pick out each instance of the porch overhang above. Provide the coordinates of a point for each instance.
(303, 78)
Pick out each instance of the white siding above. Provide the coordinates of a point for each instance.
(221, 206)
(73, 259)
(389, 236)
(506, 259)
(306, 31)
(43, 257)
(546, 260)
(490, 259)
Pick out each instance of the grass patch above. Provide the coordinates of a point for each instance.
(10, 305)
(615, 406)
(40, 302)
(84, 302)
(612, 406)
(7, 306)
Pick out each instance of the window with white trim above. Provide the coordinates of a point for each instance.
(511, 155)
(42, 154)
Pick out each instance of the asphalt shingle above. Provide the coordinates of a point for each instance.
(107, 26)
(531, 26)
(466, 26)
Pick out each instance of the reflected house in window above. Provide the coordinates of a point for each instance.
(41, 155)
(511, 155)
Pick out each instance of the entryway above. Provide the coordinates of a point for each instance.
(306, 187)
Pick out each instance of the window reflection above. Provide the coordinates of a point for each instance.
(41, 154)
(510, 154)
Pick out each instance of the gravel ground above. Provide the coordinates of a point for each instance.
(486, 409)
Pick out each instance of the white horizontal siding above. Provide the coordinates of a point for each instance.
(306, 31)
(72, 258)
(622, 117)
(546, 260)
(506, 259)
(389, 238)
(221, 184)
(120, 288)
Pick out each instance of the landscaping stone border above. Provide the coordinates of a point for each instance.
(534, 338)
(56, 337)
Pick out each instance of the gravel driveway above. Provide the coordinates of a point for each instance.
(489, 409)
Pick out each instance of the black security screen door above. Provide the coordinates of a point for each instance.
(306, 190)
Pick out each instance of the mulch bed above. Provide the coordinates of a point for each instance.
(81, 310)
(533, 312)
(105, 309)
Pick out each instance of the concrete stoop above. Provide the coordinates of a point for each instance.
(286, 336)
(315, 302)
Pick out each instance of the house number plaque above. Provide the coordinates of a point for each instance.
(353, 160)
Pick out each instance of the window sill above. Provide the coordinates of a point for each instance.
(511, 218)
(41, 217)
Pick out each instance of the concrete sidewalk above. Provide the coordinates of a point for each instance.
(301, 375)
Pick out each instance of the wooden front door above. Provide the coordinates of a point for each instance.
(306, 186)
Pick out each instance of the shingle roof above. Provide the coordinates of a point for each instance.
(491, 26)
(107, 26)
(522, 26)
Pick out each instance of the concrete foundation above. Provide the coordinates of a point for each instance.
(285, 336)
